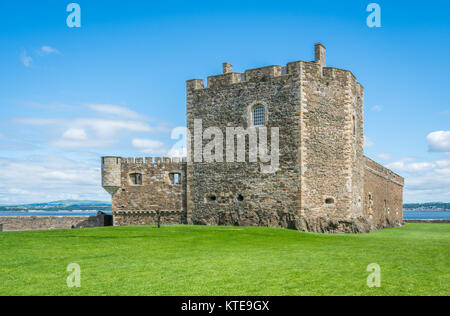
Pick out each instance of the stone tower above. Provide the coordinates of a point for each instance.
(319, 113)
(111, 174)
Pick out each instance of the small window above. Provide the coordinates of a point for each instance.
(240, 198)
(329, 201)
(354, 125)
(212, 198)
(136, 179)
(175, 178)
(258, 116)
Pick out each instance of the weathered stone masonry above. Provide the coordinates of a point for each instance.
(21, 223)
(383, 200)
(138, 204)
(324, 182)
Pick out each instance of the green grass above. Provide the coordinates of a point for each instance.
(198, 260)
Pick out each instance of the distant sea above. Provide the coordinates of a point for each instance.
(408, 214)
(55, 213)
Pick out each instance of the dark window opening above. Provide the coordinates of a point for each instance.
(175, 178)
(212, 198)
(329, 201)
(240, 198)
(136, 179)
(354, 125)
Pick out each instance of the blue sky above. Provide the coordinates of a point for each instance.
(116, 86)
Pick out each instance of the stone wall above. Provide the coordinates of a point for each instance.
(21, 223)
(383, 200)
(127, 218)
(155, 193)
(331, 151)
(238, 193)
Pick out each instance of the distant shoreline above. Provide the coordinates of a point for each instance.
(426, 210)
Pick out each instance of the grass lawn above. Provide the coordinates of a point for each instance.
(200, 260)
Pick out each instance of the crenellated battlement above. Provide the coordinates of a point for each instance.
(143, 160)
(264, 74)
(153, 160)
(310, 69)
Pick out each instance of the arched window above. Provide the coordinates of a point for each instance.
(136, 179)
(258, 114)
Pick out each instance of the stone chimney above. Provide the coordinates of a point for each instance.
(227, 68)
(320, 51)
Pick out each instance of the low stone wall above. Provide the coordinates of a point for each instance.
(21, 223)
(136, 218)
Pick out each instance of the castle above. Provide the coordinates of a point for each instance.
(323, 182)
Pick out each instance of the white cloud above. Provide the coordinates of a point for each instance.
(116, 110)
(368, 142)
(104, 127)
(439, 141)
(443, 163)
(38, 121)
(18, 191)
(108, 128)
(49, 178)
(384, 156)
(412, 167)
(46, 50)
(25, 59)
(424, 181)
(75, 144)
(75, 134)
(149, 146)
(95, 131)
(177, 152)
(40, 179)
(377, 108)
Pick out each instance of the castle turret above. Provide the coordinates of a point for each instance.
(320, 50)
(111, 174)
(227, 68)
